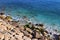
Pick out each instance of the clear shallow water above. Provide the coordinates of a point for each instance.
(46, 12)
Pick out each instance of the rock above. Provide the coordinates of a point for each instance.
(2, 28)
(1, 13)
(8, 18)
(2, 16)
(26, 38)
(27, 34)
(14, 23)
(21, 28)
(19, 36)
(12, 38)
(37, 35)
(45, 34)
(7, 36)
(34, 39)
(12, 30)
(29, 30)
(30, 36)
(1, 36)
(1, 22)
(9, 27)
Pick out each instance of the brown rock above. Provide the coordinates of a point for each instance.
(37, 35)
(21, 28)
(29, 30)
(14, 23)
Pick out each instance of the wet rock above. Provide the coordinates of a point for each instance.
(14, 23)
(8, 18)
(2, 16)
(1, 13)
(41, 25)
(59, 36)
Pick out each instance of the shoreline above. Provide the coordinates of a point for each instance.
(45, 24)
(29, 30)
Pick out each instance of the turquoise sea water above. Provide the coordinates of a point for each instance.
(46, 12)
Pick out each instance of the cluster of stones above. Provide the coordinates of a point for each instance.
(12, 30)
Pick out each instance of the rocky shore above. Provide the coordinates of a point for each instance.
(12, 30)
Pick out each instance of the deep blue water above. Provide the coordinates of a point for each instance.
(41, 11)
